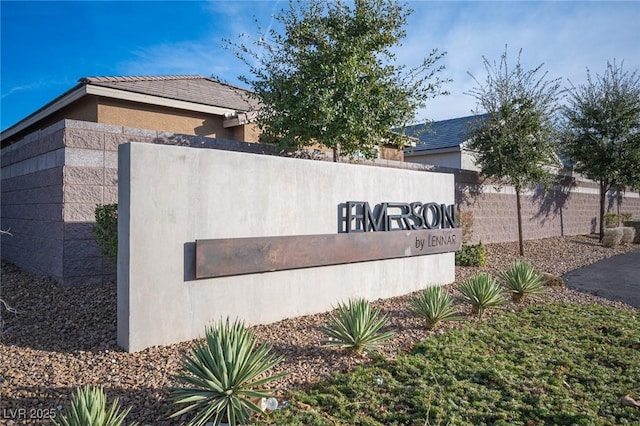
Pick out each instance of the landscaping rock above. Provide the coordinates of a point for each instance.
(64, 337)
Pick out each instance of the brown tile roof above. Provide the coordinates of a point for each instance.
(189, 88)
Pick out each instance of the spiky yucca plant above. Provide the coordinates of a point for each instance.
(89, 408)
(482, 292)
(356, 327)
(226, 375)
(522, 280)
(433, 305)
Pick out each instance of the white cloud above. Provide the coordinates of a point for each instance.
(177, 59)
(206, 56)
(22, 88)
(566, 36)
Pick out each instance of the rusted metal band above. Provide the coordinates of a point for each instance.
(237, 256)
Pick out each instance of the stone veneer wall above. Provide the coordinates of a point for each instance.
(52, 180)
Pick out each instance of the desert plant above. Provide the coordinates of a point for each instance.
(628, 235)
(482, 291)
(106, 230)
(625, 216)
(612, 237)
(610, 220)
(472, 255)
(356, 327)
(226, 373)
(635, 224)
(89, 407)
(433, 305)
(552, 280)
(522, 280)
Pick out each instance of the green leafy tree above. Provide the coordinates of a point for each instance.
(603, 130)
(326, 73)
(514, 143)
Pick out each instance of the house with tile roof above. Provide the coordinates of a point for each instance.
(443, 143)
(61, 161)
(181, 104)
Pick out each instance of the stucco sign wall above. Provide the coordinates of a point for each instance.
(206, 234)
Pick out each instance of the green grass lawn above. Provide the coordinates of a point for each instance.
(556, 364)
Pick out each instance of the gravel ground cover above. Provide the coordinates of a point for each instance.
(62, 337)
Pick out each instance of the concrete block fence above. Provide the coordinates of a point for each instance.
(52, 180)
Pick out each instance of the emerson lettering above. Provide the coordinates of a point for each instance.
(388, 216)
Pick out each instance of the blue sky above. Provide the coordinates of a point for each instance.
(47, 46)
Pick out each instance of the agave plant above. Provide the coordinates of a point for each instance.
(226, 373)
(483, 292)
(522, 280)
(356, 327)
(433, 305)
(89, 407)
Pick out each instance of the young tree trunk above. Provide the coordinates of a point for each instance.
(618, 202)
(519, 209)
(603, 197)
(335, 154)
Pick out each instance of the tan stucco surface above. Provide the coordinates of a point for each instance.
(136, 115)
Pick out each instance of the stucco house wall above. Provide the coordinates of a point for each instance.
(451, 159)
(130, 114)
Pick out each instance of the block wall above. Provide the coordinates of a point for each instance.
(570, 209)
(32, 202)
(51, 182)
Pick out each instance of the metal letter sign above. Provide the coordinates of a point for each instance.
(420, 229)
(398, 216)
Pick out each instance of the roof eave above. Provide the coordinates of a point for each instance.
(426, 151)
(107, 92)
(57, 104)
(126, 95)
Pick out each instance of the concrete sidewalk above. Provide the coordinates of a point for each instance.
(616, 278)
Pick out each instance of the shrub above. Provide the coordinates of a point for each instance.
(356, 327)
(553, 280)
(610, 220)
(89, 407)
(472, 255)
(635, 224)
(625, 217)
(482, 292)
(433, 305)
(612, 237)
(522, 280)
(106, 230)
(628, 235)
(225, 374)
